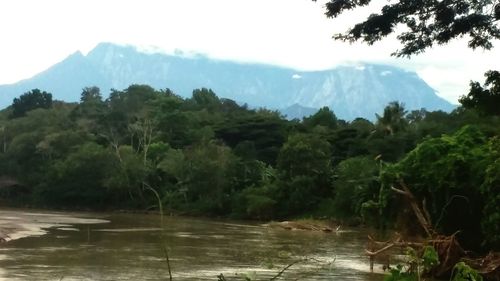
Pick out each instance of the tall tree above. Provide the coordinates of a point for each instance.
(91, 104)
(485, 99)
(91, 94)
(29, 101)
(393, 119)
(205, 98)
(304, 166)
(324, 117)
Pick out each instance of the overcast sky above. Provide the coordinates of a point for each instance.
(37, 34)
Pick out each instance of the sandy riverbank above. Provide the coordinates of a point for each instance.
(16, 224)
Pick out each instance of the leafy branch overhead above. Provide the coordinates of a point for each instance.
(420, 24)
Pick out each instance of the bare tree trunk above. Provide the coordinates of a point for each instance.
(422, 217)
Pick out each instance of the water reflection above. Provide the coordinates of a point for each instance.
(129, 247)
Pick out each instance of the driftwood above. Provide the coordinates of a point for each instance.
(304, 225)
(6, 182)
(447, 247)
(3, 236)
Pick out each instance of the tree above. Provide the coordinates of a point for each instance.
(304, 166)
(91, 104)
(393, 119)
(91, 94)
(29, 101)
(356, 182)
(425, 23)
(173, 123)
(32, 140)
(485, 99)
(203, 175)
(448, 173)
(266, 131)
(490, 190)
(131, 100)
(205, 98)
(80, 179)
(324, 117)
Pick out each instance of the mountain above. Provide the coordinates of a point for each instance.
(297, 111)
(350, 91)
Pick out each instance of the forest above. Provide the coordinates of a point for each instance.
(210, 156)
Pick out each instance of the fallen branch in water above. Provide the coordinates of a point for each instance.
(284, 269)
(221, 276)
(447, 246)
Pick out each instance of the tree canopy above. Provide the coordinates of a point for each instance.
(29, 101)
(485, 99)
(420, 25)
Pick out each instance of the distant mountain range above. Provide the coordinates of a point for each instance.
(350, 91)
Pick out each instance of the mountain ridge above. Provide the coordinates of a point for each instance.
(350, 91)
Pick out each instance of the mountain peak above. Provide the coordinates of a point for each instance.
(76, 54)
(107, 51)
(104, 47)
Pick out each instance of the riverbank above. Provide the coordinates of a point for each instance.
(16, 224)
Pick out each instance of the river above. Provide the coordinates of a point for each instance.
(90, 246)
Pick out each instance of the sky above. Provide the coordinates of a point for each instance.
(294, 33)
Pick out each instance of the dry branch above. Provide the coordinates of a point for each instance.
(422, 219)
(447, 247)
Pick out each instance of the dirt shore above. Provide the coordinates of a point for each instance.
(16, 224)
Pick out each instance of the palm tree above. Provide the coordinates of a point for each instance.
(393, 119)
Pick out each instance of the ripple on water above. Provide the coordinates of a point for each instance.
(68, 229)
(137, 229)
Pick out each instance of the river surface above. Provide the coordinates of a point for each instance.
(130, 247)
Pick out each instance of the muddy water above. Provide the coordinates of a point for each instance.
(130, 247)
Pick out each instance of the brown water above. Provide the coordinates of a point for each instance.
(129, 247)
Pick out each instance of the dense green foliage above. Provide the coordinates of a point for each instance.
(421, 24)
(449, 172)
(456, 174)
(484, 99)
(210, 156)
(29, 101)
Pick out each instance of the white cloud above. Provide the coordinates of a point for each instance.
(296, 76)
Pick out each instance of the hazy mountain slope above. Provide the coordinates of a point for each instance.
(259, 85)
(357, 91)
(297, 111)
(363, 90)
(64, 80)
